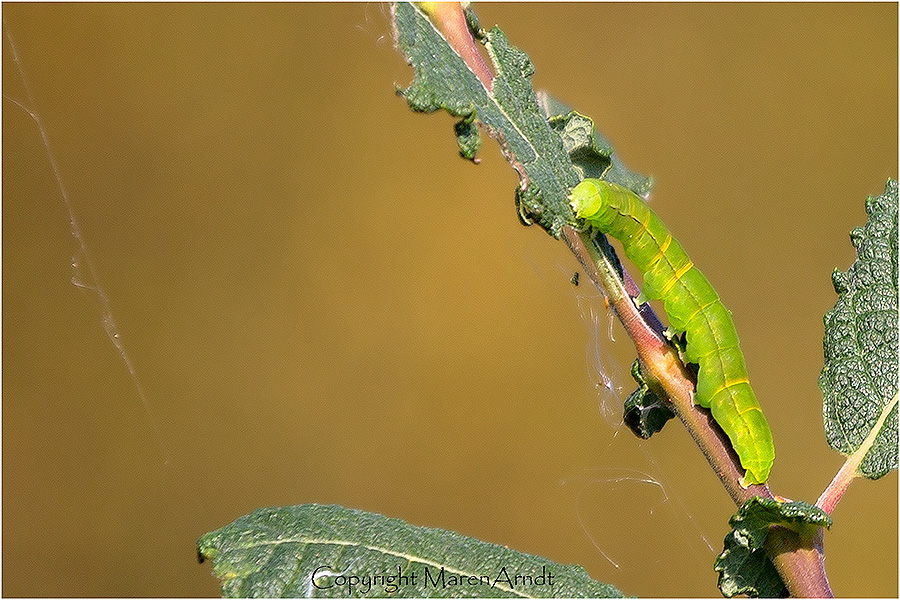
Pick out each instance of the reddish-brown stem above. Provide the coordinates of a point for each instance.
(835, 490)
(450, 20)
(799, 563)
(661, 364)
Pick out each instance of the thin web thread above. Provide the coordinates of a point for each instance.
(84, 275)
(603, 374)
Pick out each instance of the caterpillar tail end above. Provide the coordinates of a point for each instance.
(756, 476)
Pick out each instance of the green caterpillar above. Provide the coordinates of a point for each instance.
(694, 308)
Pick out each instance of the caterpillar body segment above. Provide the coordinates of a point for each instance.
(693, 307)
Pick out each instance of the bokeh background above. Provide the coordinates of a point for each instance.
(323, 303)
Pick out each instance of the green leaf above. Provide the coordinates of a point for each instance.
(645, 412)
(859, 379)
(753, 519)
(743, 566)
(467, 137)
(742, 571)
(509, 111)
(331, 551)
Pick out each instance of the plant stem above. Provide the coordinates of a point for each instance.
(800, 565)
(835, 490)
(450, 20)
(662, 366)
(848, 472)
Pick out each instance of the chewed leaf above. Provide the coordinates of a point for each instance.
(754, 517)
(508, 110)
(743, 566)
(645, 413)
(591, 154)
(749, 572)
(331, 551)
(859, 379)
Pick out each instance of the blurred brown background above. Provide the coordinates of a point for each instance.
(324, 304)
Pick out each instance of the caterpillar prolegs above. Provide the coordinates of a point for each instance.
(693, 307)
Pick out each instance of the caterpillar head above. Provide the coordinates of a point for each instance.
(586, 198)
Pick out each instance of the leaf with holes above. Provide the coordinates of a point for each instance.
(507, 109)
